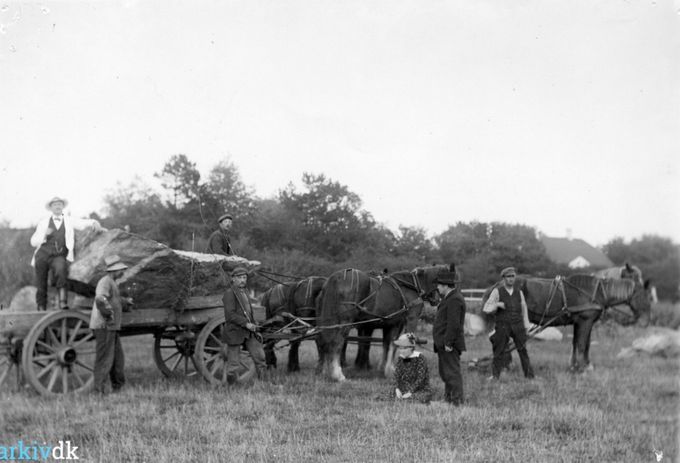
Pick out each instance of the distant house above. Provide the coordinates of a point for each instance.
(575, 253)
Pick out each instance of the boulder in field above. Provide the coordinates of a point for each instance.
(662, 342)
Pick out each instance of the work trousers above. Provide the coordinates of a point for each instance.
(499, 341)
(254, 347)
(109, 360)
(43, 264)
(449, 372)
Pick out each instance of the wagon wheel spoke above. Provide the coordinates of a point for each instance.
(53, 378)
(177, 361)
(53, 337)
(87, 367)
(41, 358)
(87, 352)
(171, 356)
(212, 349)
(84, 340)
(46, 369)
(218, 342)
(75, 332)
(211, 358)
(64, 380)
(215, 367)
(78, 378)
(46, 346)
(6, 365)
(64, 331)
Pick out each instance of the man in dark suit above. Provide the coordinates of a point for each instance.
(240, 329)
(448, 336)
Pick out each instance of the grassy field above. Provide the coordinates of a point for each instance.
(620, 412)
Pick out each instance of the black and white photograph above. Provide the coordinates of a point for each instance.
(340, 231)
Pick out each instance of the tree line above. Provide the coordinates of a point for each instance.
(322, 227)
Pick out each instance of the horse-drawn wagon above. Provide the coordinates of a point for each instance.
(177, 298)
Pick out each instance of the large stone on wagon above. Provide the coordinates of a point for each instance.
(158, 276)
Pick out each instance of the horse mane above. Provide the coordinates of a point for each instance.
(618, 289)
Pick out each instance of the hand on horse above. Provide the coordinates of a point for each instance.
(251, 327)
(448, 348)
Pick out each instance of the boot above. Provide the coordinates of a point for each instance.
(63, 299)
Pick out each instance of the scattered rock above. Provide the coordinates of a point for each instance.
(662, 342)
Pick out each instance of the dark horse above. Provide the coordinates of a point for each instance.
(579, 300)
(351, 298)
(297, 299)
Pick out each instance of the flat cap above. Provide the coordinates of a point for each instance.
(508, 271)
(225, 216)
(239, 271)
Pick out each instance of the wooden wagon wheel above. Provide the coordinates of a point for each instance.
(59, 352)
(209, 358)
(173, 352)
(10, 364)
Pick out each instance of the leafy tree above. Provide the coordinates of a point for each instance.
(414, 243)
(330, 214)
(481, 250)
(225, 192)
(180, 176)
(137, 207)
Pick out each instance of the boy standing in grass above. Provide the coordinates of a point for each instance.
(448, 336)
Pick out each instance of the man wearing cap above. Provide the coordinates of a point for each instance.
(512, 320)
(448, 335)
(54, 240)
(218, 243)
(105, 323)
(240, 329)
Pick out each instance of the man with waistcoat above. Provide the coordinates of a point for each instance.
(54, 243)
(240, 329)
(512, 321)
(448, 335)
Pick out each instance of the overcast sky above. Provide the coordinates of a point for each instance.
(553, 114)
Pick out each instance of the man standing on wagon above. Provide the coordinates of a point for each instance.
(54, 243)
(240, 329)
(512, 320)
(448, 335)
(218, 243)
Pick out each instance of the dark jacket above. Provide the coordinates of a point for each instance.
(237, 313)
(449, 322)
(218, 243)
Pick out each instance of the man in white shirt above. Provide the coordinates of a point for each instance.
(54, 241)
(512, 320)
